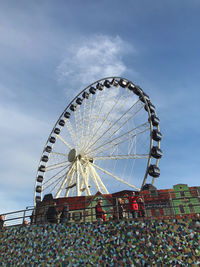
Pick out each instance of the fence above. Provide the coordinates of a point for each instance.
(170, 204)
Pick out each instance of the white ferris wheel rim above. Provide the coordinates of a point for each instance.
(95, 135)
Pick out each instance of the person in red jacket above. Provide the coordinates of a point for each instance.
(133, 205)
(100, 213)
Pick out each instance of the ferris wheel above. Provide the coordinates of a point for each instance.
(107, 139)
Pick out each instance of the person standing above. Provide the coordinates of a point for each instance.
(133, 205)
(100, 213)
(121, 211)
(141, 212)
(2, 223)
(65, 214)
(52, 214)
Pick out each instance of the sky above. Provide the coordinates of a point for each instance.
(50, 50)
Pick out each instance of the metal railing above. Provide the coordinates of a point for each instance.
(165, 205)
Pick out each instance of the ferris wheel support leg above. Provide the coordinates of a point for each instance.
(78, 193)
(94, 179)
(64, 181)
(99, 180)
(84, 180)
(69, 184)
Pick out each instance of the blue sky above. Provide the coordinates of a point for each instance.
(50, 50)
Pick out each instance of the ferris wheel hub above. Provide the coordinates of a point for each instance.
(72, 155)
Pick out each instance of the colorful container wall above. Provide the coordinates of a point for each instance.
(126, 243)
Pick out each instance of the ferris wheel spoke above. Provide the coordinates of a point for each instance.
(122, 138)
(88, 116)
(112, 124)
(92, 134)
(98, 178)
(83, 121)
(124, 123)
(100, 105)
(104, 121)
(115, 177)
(78, 124)
(71, 132)
(56, 182)
(51, 178)
(141, 106)
(55, 166)
(132, 146)
(81, 126)
(64, 181)
(56, 185)
(129, 156)
(64, 141)
(91, 114)
(59, 154)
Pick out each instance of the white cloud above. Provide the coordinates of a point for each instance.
(92, 59)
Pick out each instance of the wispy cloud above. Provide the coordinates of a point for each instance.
(93, 58)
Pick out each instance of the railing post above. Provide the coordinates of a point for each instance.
(24, 214)
(116, 202)
(91, 214)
